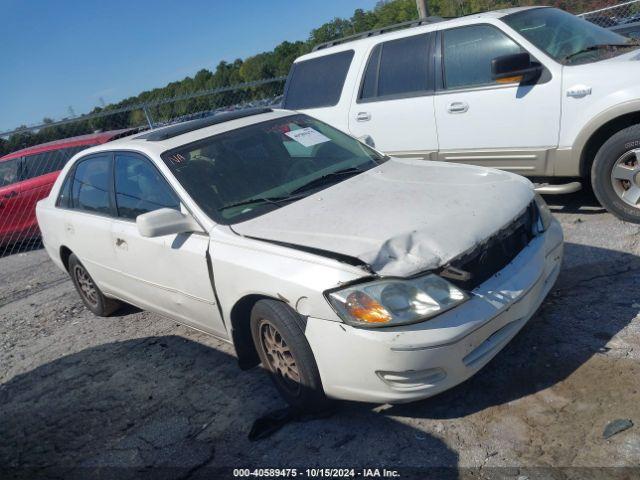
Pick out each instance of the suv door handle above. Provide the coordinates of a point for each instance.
(11, 194)
(457, 107)
(363, 117)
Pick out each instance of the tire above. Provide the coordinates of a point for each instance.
(89, 292)
(615, 174)
(274, 326)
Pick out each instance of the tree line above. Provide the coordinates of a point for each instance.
(266, 65)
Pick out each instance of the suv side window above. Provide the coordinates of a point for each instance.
(140, 188)
(398, 68)
(9, 172)
(317, 82)
(467, 54)
(90, 190)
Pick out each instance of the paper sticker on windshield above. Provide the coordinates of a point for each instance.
(307, 137)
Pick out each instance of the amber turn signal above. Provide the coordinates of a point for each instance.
(516, 79)
(364, 308)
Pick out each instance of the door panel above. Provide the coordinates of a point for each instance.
(168, 275)
(88, 236)
(481, 122)
(393, 109)
(404, 128)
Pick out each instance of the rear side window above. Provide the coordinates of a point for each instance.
(9, 172)
(398, 68)
(90, 188)
(47, 162)
(140, 188)
(317, 82)
(467, 54)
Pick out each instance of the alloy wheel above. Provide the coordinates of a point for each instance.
(625, 178)
(87, 288)
(281, 361)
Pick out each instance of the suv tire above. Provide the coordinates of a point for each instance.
(89, 292)
(615, 174)
(278, 334)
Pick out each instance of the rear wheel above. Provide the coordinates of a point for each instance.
(283, 349)
(615, 175)
(89, 292)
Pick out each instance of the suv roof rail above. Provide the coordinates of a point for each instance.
(379, 31)
(171, 131)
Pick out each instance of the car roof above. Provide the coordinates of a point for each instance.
(374, 37)
(80, 140)
(151, 144)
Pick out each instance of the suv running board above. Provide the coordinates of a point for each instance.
(548, 189)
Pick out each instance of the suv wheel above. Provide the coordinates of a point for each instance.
(283, 349)
(89, 292)
(615, 174)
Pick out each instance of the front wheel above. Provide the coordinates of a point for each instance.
(283, 349)
(615, 174)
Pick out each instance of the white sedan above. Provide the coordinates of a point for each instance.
(346, 273)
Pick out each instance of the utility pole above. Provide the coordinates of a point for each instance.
(423, 8)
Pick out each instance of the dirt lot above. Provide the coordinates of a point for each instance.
(80, 394)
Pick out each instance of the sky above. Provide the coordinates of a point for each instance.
(60, 53)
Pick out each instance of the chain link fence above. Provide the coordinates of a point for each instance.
(39, 152)
(623, 17)
(33, 156)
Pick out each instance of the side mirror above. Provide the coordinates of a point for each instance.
(166, 221)
(516, 67)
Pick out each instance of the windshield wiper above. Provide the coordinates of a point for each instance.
(601, 46)
(324, 179)
(294, 194)
(261, 200)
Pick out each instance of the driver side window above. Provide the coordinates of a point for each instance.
(467, 54)
(140, 188)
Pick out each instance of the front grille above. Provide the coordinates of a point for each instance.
(498, 251)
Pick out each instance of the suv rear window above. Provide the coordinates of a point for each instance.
(317, 82)
(398, 68)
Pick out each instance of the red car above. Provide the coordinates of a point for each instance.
(27, 176)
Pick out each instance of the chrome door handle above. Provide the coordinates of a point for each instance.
(363, 117)
(457, 107)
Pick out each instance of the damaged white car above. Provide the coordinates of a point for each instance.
(346, 273)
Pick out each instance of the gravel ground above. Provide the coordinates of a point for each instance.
(82, 395)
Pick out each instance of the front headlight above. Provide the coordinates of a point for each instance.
(384, 303)
(545, 216)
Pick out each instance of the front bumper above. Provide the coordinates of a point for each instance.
(417, 361)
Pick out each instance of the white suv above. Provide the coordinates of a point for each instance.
(536, 91)
(348, 274)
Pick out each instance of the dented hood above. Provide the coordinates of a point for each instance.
(402, 217)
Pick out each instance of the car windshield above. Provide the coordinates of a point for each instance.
(568, 39)
(244, 173)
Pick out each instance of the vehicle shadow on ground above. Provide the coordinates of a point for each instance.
(170, 407)
(593, 299)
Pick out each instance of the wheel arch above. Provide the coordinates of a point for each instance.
(240, 317)
(600, 130)
(65, 253)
